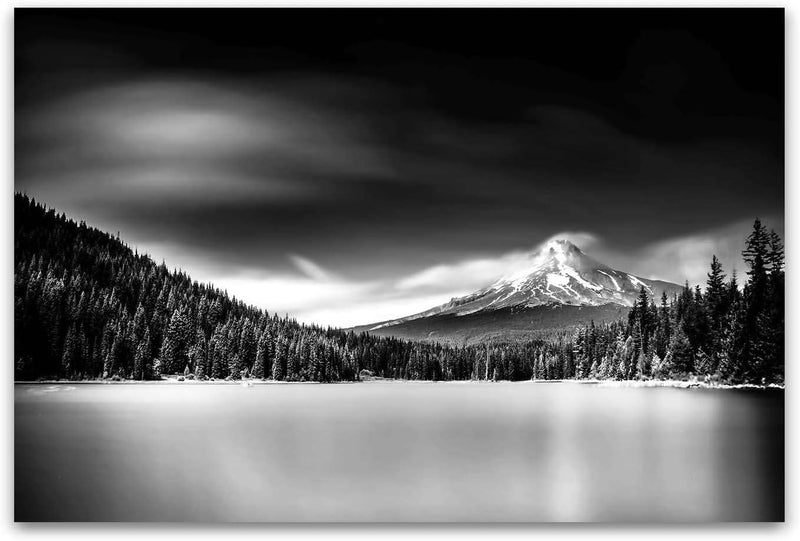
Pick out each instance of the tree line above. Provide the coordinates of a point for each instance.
(725, 332)
(89, 307)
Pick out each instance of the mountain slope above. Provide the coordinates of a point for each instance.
(559, 286)
(86, 306)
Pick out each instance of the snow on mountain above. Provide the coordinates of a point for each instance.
(559, 273)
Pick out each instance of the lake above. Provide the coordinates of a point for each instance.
(396, 451)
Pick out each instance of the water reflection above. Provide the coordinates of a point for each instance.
(397, 452)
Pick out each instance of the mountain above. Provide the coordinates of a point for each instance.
(559, 286)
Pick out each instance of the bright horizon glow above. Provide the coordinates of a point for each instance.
(316, 295)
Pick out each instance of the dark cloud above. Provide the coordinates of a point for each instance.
(251, 141)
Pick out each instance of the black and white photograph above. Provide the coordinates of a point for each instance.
(398, 265)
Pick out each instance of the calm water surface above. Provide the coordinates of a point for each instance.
(396, 452)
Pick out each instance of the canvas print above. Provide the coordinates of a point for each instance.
(399, 265)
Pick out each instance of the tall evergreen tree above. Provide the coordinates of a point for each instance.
(680, 348)
(142, 362)
(259, 370)
(199, 354)
(279, 362)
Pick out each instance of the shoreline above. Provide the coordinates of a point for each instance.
(674, 384)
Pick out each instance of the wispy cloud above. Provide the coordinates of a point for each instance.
(688, 257)
(470, 274)
(310, 269)
(314, 294)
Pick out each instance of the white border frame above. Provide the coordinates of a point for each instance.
(10, 530)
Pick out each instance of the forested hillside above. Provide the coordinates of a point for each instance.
(89, 307)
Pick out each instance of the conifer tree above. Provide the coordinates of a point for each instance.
(715, 291)
(280, 358)
(235, 367)
(642, 365)
(247, 343)
(219, 352)
(260, 362)
(69, 358)
(292, 361)
(703, 364)
(142, 362)
(656, 368)
(682, 356)
(199, 354)
(755, 328)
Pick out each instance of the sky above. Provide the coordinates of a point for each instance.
(352, 166)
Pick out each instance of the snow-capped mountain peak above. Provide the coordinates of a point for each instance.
(557, 273)
(556, 255)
